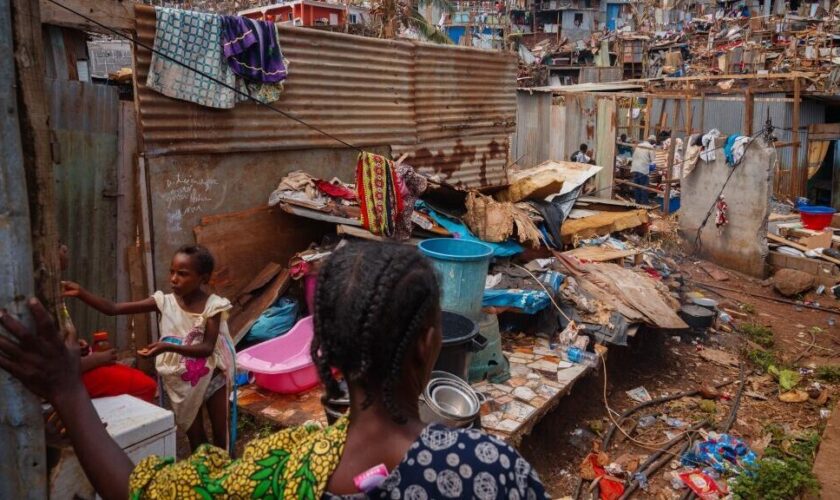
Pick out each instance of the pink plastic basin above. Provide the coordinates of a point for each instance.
(283, 364)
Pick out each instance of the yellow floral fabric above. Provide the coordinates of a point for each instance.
(293, 463)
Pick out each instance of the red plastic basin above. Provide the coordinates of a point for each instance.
(816, 218)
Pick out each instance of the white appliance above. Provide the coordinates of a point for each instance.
(140, 428)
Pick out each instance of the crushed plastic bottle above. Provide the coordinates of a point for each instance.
(579, 356)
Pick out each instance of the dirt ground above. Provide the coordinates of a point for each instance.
(666, 364)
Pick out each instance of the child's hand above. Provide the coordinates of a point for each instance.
(70, 289)
(103, 358)
(153, 349)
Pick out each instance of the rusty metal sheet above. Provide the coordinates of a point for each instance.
(358, 89)
(84, 122)
(468, 162)
(463, 92)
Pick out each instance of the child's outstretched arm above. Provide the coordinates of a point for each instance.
(202, 349)
(71, 289)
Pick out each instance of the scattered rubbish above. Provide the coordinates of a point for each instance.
(579, 356)
(639, 394)
(796, 396)
(647, 421)
(582, 439)
(675, 423)
(702, 484)
(721, 452)
(825, 413)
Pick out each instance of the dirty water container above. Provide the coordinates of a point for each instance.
(460, 341)
(462, 270)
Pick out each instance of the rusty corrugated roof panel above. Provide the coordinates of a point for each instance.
(358, 89)
(467, 162)
(464, 92)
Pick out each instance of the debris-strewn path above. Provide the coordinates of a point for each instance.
(780, 345)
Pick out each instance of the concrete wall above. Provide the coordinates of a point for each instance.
(742, 244)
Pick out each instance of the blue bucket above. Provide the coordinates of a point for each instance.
(462, 271)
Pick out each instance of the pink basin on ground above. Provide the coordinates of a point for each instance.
(283, 364)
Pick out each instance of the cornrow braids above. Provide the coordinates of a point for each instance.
(373, 300)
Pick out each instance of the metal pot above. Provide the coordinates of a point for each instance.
(697, 317)
(449, 400)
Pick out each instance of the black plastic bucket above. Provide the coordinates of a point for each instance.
(460, 340)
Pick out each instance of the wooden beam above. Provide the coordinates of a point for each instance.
(802, 174)
(37, 153)
(749, 103)
(116, 14)
(23, 457)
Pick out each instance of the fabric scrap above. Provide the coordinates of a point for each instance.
(411, 186)
(252, 49)
(379, 194)
(192, 38)
(708, 142)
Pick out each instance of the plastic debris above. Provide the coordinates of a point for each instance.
(639, 394)
(721, 452)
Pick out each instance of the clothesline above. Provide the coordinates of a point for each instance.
(209, 77)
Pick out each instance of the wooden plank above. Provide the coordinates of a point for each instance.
(786, 242)
(115, 14)
(801, 174)
(823, 131)
(600, 254)
(145, 230)
(244, 242)
(127, 209)
(244, 314)
(602, 223)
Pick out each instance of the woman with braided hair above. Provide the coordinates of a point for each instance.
(377, 323)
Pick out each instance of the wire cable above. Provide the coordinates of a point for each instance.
(205, 75)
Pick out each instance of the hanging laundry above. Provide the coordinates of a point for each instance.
(252, 49)
(736, 149)
(193, 38)
(411, 186)
(708, 141)
(379, 194)
(721, 218)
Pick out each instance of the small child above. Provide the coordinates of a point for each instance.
(194, 356)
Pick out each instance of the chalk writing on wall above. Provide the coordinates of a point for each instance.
(186, 195)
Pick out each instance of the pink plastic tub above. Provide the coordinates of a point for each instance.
(283, 364)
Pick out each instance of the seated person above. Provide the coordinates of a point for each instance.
(377, 322)
(101, 373)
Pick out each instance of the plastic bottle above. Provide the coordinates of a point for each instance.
(100, 342)
(579, 356)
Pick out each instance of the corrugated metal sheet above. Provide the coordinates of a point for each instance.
(463, 92)
(727, 115)
(358, 89)
(84, 118)
(470, 162)
(594, 74)
(531, 145)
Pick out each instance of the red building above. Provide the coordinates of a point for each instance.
(300, 13)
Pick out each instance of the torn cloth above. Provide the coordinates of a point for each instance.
(721, 219)
(708, 142)
(252, 49)
(411, 186)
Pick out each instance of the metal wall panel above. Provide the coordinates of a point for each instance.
(595, 74)
(84, 118)
(532, 141)
(469, 162)
(463, 92)
(358, 89)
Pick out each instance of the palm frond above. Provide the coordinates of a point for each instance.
(427, 29)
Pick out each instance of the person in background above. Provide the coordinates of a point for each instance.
(101, 373)
(623, 148)
(581, 155)
(194, 357)
(643, 156)
(378, 323)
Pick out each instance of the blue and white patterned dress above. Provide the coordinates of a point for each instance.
(457, 463)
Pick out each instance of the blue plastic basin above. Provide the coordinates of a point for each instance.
(462, 271)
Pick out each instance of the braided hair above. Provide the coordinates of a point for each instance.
(372, 302)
